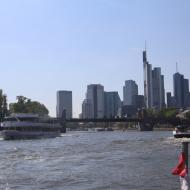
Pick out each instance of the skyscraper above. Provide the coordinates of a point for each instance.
(95, 101)
(186, 87)
(112, 104)
(178, 89)
(163, 101)
(129, 91)
(86, 109)
(154, 91)
(181, 89)
(158, 88)
(171, 102)
(138, 101)
(64, 102)
(148, 94)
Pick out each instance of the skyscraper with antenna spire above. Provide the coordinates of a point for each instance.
(148, 94)
(154, 92)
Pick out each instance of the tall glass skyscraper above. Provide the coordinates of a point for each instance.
(148, 93)
(112, 104)
(129, 91)
(94, 102)
(181, 89)
(154, 91)
(64, 102)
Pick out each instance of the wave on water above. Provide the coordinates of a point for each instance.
(90, 161)
(34, 158)
(7, 187)
(68, 135)
(175, 141)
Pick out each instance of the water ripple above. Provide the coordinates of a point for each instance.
(91, 161)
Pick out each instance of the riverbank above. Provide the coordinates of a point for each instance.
(163, 129)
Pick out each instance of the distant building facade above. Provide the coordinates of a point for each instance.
(154, 91)
(128, 111)
(64, 102)
(158, 88)
(138, 101)
(163, 100)
(87, 109)
(148, 94)
(93, 105)
(178, 83)
(171, 101)
(181, 90)
(187, 100)
(181, 94)
(112, 104)
(129, 91)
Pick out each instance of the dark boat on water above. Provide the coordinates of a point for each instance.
(181, 131)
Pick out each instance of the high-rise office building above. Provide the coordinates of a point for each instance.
(171, 102)
(154, 92)
(138, 101)
(94, 101)
(148, 93)
(169, 99)
(129, 91)
(163, 102)
(181, 89)
(178, 89)
(112, 104)
(158, 88)
(64, 102)
(87, 109)
(186, 93)
(186, 88)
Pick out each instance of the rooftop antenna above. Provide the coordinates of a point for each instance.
(176, 67)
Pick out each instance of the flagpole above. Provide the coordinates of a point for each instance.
(185, 151)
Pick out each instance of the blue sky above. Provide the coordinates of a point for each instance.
(50, 45)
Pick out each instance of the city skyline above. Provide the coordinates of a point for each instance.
(70, 44)
(124, 88)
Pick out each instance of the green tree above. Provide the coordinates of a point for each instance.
(150, 113)
(25, 105)
(168, 113)
(3, 105)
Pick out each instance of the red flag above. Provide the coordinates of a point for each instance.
(181, 170)
(181, 167)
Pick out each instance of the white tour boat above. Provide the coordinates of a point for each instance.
(29, 126)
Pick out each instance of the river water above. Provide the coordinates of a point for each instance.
(91, 161)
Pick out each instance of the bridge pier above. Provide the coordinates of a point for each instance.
(145, 126)
(63, 122)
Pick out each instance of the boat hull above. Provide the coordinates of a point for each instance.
(19, 135)
(182, 135)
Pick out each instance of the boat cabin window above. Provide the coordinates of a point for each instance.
(10, 119)
(32, 119)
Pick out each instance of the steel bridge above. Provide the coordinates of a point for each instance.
(145, 124)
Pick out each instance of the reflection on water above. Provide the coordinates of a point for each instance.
(91, 161)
